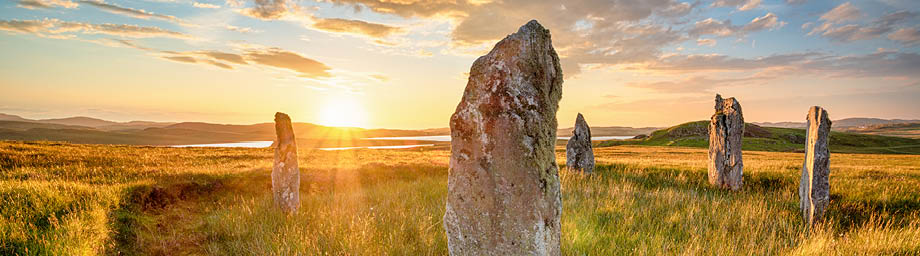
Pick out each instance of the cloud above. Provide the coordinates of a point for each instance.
(585, 32)
(205, 5)
(697, 84)
(742, 5)
(414, 8)
(244, 30)
(280, 58)
(907, 36)
(725, 28)
(841, 13)
(733, 72)
(717, 62)
(187, 59)
(856, 32)
(706, 42)
(136, 13)
(54, 27)
(223, 56)
(250, 54)
(885, 64)
(267, 9)
(356, 27)
(43, 4)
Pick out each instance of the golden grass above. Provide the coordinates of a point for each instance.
(85, 200)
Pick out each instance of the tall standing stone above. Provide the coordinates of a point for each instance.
(726, 129)
(503, 192)
(285, 173)
(814, 187)
(578, 152)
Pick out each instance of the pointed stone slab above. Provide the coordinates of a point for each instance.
(579, 155)
(285, 172)
(814, 186)
(726, 128)
(503, 192)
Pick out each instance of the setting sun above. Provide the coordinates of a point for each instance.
(342, 111)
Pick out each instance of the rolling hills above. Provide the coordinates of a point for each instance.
(759, 138)
(841, 123)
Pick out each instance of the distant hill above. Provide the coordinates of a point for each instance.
(5, 117)
(907, 130)
(97, 131)
(842, 123)
(22, 126)
(79, 120)
(758, 138)
(609, 131)
(88, 122)
(565, 132)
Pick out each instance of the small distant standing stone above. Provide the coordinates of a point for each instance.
(814, 187)
(503, 192)
(578, 152)
(285, 173)
(726, 129)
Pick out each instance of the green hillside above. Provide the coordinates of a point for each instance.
(757, 138)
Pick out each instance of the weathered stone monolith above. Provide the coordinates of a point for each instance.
(578, 152)
(814, 187)
(725, 131)
(285, 173)
(503, 192)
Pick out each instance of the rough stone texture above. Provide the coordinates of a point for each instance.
(725, 131)
(814, 187)
(578, 152)
(285, 173)
(503, 187)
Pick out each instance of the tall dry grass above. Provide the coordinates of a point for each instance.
(77, 199)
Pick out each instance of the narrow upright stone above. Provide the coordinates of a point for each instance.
(726, 129)
(285, 173)
(503, 194)
(814, 187)
(578, 152)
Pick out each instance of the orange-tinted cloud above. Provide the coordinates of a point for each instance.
(48, 27)
(42, 4)
(357, 27)
(855, 32)
(136, 13)
(267, 9)
(908, 36)
(280, 58)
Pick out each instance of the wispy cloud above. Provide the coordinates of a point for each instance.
(205, 5)
(54, 27)
(841, 13)
(267, 9)
(725, 28)
(42, 4)
(136, 13)
(855, 32)
(907, 36)
(742, 5)
(356, 27)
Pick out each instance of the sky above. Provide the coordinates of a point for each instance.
(404, 63)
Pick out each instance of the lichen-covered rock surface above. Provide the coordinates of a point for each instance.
(726, 128)
(503, 187)
(285, 173)
(814, 186)
(579, 155)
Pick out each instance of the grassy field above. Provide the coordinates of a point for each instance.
(68, 199)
